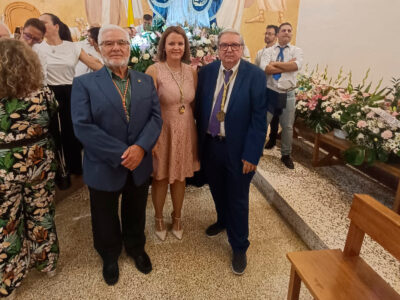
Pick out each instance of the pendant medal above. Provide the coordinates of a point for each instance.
(221, 116)
(182, 109)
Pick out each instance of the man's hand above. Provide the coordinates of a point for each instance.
(132, 157)
(248, 167)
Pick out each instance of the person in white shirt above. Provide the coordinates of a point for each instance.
(147, 22)
(4, 31)
(32, 34)
(91, 47)
(62, 55)
(270, 40)
(281, 63)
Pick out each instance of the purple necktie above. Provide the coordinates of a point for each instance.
(214, 126)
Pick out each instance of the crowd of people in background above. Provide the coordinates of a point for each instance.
(59, 97)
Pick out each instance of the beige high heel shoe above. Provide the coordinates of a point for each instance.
(179, 231)
(160, 230)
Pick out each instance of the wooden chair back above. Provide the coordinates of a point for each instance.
(368, 216)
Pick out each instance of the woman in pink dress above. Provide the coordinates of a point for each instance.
(175, 154)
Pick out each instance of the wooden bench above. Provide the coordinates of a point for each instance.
(336, 275)
(335, 148)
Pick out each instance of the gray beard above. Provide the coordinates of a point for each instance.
(108, 63)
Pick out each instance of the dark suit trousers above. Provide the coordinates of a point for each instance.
(107, 234)
(230, 190)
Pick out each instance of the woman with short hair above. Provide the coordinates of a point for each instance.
(28, 235)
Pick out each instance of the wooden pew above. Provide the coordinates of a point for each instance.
(337, 275)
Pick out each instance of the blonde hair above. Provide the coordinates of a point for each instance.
(20, 69)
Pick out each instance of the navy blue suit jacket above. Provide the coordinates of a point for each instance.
(245, 121)
(100, 124)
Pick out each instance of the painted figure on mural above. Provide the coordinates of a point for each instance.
(271, 6)
(193, 12)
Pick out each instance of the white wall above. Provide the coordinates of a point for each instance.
(355, 34)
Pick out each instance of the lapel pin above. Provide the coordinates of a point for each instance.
(139, 81)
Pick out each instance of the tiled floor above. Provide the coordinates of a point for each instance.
(195, 268)
(319, 199)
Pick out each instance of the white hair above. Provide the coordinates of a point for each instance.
(231, 30)
(6, 27)
(109, 27)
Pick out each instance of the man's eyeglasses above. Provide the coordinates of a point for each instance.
(28, 37)
(109, 44)
(234, 46)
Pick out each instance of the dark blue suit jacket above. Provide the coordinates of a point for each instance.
(101, 126)
(245, 121)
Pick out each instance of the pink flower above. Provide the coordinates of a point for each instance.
(361, 124)
(312, 104)
(387, 134)
(329, 109)
(324, 98)
(345, 97)
(195, 62)
(370, 115)
(395, 113)
(209, 59)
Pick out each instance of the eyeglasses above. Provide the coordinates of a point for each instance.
(234, 46)
(28, 37)
(109, 44)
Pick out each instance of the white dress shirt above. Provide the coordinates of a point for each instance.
(220, 84)
(288, 80)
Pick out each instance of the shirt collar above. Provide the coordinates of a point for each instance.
(278, 46)
(113, 76)
(234, 68)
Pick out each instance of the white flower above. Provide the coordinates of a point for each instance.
(134, 60)
(146, 56)
(199, 53)
(375, 130)
(206, 49)
(360, 136)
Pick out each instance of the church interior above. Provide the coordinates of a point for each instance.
(309, 208)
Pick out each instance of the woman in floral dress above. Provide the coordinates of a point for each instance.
(27, 168)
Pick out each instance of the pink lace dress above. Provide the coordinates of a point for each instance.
(175, 153)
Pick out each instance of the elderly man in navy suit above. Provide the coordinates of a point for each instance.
(116, 116)
(231, 118)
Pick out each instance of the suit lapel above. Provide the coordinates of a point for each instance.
(212, 83)
(136, 86)
(106, 85)
(238, 83)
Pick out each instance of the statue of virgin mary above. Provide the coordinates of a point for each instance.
(200, 13)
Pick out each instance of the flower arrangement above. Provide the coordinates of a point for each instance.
(370, 118)
(203, 46)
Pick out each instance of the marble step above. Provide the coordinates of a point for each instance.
(316, 202)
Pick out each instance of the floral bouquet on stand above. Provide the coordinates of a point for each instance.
(203, 45)
(144, 50)
(319, 100)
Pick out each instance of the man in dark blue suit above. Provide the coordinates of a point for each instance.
(231, 118)
(116, 116)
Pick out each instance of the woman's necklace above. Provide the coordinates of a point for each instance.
(180, 86)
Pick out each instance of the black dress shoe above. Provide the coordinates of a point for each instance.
(239, 263)
(110, 272)
(287, 161)
(143, 263)
(270, 144)
(214, 230)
